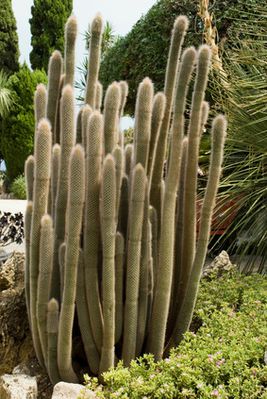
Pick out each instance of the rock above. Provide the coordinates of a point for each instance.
(4, 255)
(64, 390)
(33, 369)
(16, 349)
(18, 386)
(21, 369)
(7, 275)
(12, 272)
(218, 266)
(15, 338)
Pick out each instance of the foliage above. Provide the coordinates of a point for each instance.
(9, 51)
(18, 127)
(243, 98)
(144, 50)
(47, 28)
(223, 359)
(6, 95)
(11, 228)
(18, 187)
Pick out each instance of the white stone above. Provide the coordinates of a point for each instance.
(19, 386)
(64, 390)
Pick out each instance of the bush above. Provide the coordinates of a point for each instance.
(18, 187)
(144, 50)
(222, 358)
(18, 128)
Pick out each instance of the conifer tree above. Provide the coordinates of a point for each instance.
(47, 29)
(9, 52)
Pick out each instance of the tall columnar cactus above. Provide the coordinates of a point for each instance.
(178, 34)
(160, 309)
(108, 228)
(111, 117)
(70, 38)
(111, 236)
(92, 98)
(91, 233)
(44, 279)
(54, 75)
(40, 202)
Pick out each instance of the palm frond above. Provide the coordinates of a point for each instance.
(242, 95)
(6, 95)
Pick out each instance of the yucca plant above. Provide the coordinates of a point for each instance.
(242, 94)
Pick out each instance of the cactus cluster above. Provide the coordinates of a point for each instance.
(113, 257)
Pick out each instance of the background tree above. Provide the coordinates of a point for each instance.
(16, 140)
(9, 52)
(47, 28)
(144, 50)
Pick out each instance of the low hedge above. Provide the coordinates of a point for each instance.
(223, 357)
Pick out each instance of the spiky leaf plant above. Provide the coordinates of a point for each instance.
(242, 95)
(6, 96)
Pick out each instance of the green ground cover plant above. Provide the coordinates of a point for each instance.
(221, 357)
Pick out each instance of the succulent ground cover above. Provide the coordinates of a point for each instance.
(221, 357)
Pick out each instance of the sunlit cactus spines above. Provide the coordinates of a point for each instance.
(112, 227)
(69, 59)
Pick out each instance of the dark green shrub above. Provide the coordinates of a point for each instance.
(18, 128)
(18, 187)
(143, 51)
(223, 358)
